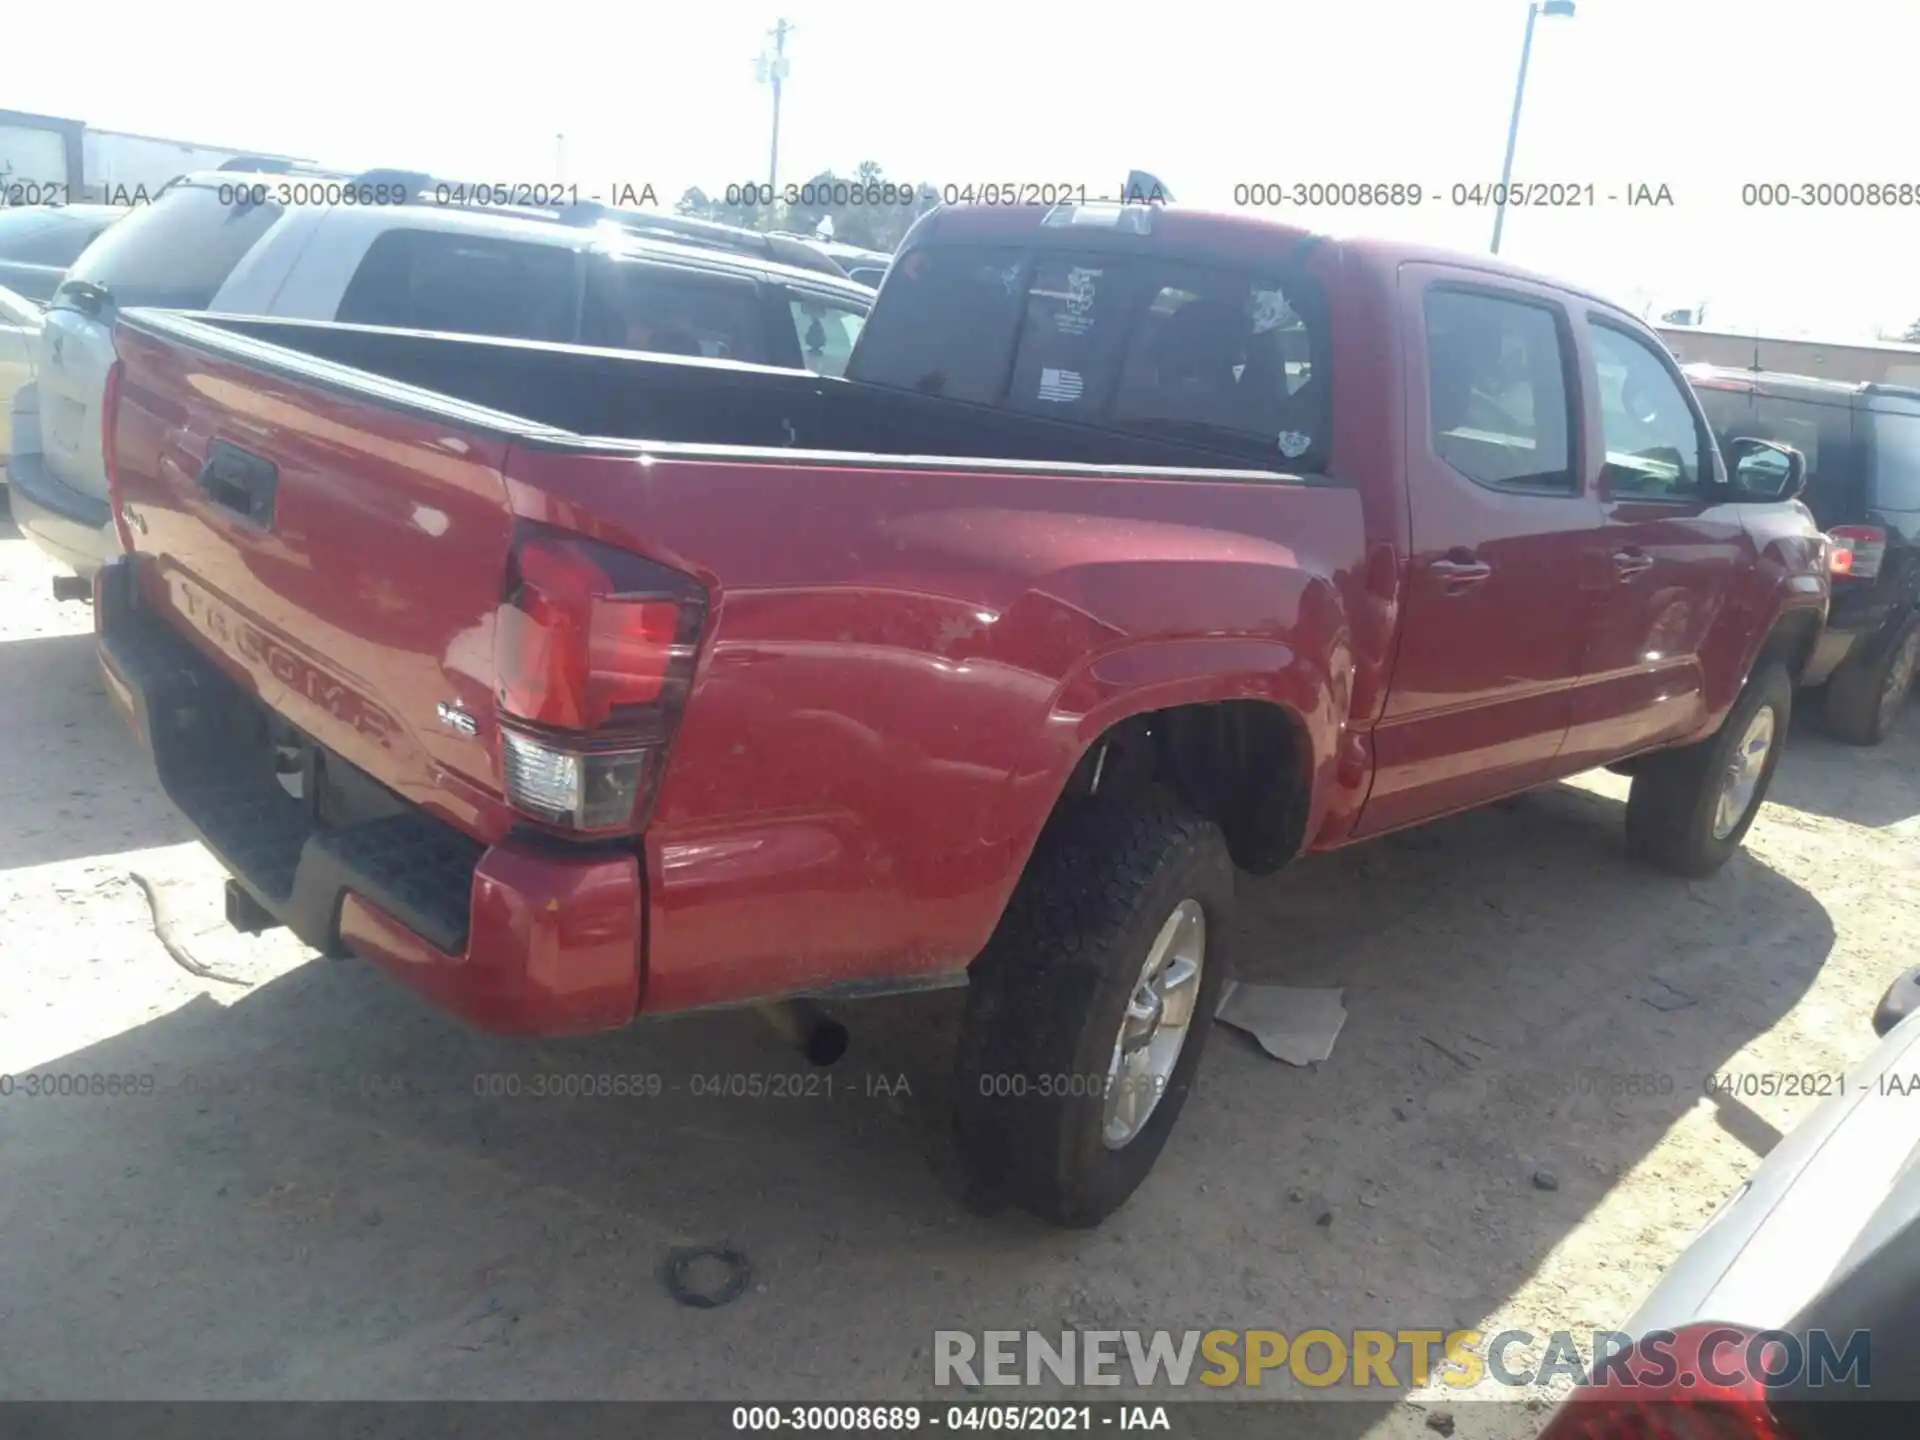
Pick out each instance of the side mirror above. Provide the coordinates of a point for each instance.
(1764, 471)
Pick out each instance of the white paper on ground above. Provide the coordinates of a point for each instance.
(1295, 1025)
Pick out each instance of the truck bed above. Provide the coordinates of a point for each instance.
(918, 616)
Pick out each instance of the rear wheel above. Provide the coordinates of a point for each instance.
(1689, 809)
(1088, 1010)
(1864, 696)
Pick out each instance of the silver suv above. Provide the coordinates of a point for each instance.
(240, 244)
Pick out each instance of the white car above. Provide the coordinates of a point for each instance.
(1795, 1313)
(224, 241)
(20, 321)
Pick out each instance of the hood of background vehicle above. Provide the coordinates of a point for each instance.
(1832, 1192)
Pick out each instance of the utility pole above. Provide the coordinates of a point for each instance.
(773, 71)
(1535, 10)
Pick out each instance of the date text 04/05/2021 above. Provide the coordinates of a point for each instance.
(1815, 1083)
(1410, 194)
(875, 1419)
(699, 1085)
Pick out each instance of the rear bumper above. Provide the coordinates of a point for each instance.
(1829, 651)
(1848, 632)
(514, 940)
(70, 527)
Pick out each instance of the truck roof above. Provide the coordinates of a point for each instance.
(620, 233)
(1804, 387)
(420, 188)
(1752, 337)
(1232, 236)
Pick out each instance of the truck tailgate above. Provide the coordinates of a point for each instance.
(341, 559)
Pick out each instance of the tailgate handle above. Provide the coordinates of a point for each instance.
(241, 481)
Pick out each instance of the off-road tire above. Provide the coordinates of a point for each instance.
(1046, 998)
(1857, 707)
(1670, 809)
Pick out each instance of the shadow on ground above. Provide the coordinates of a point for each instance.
(332, 1191)
(72, 777)
(1874, 787)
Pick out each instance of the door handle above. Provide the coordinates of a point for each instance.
(1629, 563)
(1458, 570)
(240, 481)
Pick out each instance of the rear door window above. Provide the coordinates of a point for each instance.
(1497, 387)
(1729, 412)
(825, 330)
(1896, 460)
(674, 310)
(464, 285)
(1822, 433)
(176, 253)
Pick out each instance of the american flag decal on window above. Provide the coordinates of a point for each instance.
(1062, 387)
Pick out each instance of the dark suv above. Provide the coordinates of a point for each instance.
(1862, 443)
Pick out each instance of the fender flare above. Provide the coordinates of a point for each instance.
(1792, 626)
(1123, 684)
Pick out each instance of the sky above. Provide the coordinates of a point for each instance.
(1701, 96)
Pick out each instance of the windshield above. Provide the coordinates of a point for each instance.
(175, 253)
(1896, 462)
(46, 236)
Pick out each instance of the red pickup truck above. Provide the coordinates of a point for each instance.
(1136, 545)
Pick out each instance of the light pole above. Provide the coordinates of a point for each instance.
(773, 70)
(1534, 11)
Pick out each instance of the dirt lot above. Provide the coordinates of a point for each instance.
(314, 1202)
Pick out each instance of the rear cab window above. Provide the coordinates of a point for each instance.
(1229, 359)
(947, 325)
(465, 285)
(176, 253)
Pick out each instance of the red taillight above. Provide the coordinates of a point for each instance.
(109, 451)
(573, 647)
(1704, 1382)
(598, 644)
(1857, 550)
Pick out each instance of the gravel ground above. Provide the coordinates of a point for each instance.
(313, 1202)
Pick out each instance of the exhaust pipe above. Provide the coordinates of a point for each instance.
(73, 587)
(808, 1029)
